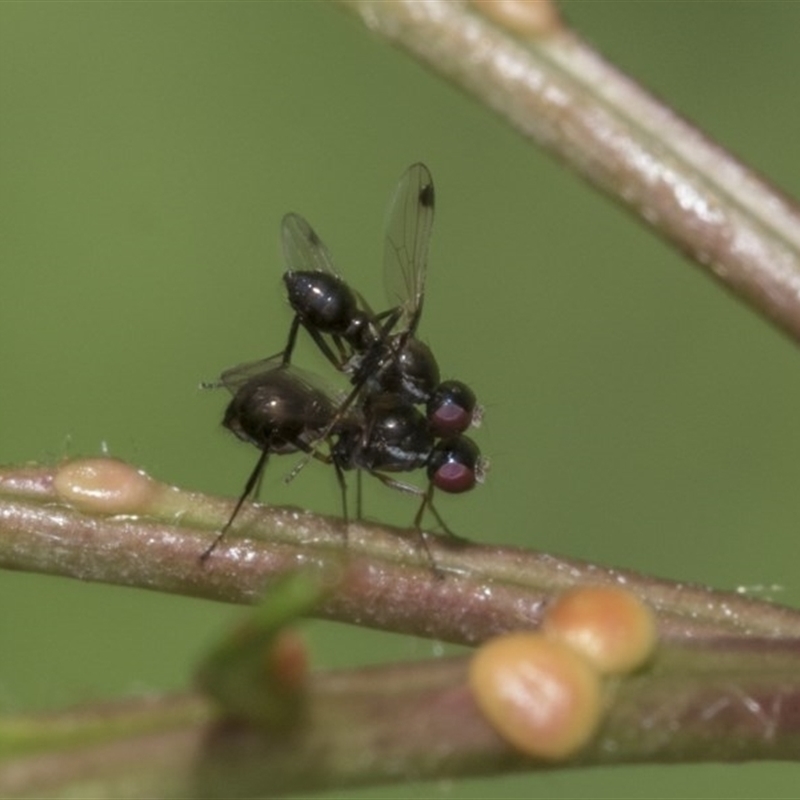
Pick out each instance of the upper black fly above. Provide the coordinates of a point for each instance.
(379, 352)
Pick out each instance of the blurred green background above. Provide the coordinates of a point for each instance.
(636, 415)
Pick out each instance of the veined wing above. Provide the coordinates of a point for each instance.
(303, 250)
(408, 233)
(235, 377)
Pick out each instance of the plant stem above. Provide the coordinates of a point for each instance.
(379, 577)
(562, 95)
(722, 701)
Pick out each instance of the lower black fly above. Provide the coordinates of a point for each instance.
(281, 409)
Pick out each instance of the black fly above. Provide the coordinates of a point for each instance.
(379, 352)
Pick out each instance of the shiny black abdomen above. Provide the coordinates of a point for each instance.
(277, 412)
(323, 301)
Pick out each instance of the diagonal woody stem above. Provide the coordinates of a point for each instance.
(559, 93)
(380, 577)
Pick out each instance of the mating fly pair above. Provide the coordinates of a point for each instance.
(376, 427)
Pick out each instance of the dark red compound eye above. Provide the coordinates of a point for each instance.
(450, 408)
(454, 478)
(449, 419)
(453, 464)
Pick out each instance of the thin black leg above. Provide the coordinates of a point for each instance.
(255, 477)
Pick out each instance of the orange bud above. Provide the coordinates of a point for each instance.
(608, 625)
(529, 18)
(105, 485)
(539, 695)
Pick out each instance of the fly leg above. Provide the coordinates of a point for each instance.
(415, 490)
(252, 481)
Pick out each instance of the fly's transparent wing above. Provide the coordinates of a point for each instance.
(408, 232)
(303, 250)
(235, 377)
